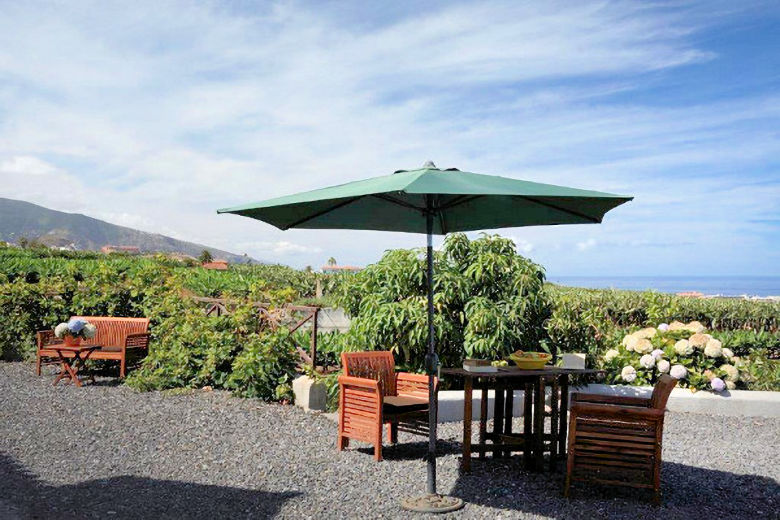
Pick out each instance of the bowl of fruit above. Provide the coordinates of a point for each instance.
(530, 360)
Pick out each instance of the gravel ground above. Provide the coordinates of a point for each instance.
(105, 451)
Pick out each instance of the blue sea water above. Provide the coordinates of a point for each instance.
(761, 286)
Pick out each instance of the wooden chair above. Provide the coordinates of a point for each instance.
(120, 339)
(617, 440)
(372, 394)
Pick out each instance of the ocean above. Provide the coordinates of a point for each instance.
(761, 286)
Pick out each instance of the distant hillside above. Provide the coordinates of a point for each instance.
(56, 228)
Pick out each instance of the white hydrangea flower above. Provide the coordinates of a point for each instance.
(60, 329)
(628, 374)
(683, 348)
(647, 361)
(657, 354)
(713, 348)
(698, 340)
(731, 385)
(695, 327)
(727, 353)
(676, 325)
(663, 327)
(628, 340)
(678, 372)
(610, 355)
(646, 333)
(732, 374)
(643, 346)
(663, 366)
(89, 331)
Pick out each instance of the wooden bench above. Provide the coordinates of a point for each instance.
(119, 340)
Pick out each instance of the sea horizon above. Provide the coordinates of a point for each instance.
(746, 285)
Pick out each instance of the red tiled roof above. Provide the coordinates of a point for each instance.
(219, 265)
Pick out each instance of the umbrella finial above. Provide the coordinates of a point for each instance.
(430, 165)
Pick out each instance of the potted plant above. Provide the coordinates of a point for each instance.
(74, 331)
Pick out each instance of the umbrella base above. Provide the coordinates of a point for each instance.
(432, 504)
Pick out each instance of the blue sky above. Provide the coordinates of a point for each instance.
(154, 114)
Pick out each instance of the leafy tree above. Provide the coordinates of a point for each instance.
(489, 301)
(205, 257)
(332, 261)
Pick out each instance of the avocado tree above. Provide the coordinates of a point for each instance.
(205, 257)
(490, 301)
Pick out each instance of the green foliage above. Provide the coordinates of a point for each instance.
(489, 301)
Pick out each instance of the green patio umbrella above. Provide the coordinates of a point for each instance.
(433, 201)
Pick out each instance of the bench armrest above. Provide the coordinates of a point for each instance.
(137, 340)
(46, 338)
(615, 411)
(578, 397)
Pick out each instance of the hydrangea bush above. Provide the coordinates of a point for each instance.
(685, 351)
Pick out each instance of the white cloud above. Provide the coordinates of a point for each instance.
(282, 248)
(154, 115)
(586, 244)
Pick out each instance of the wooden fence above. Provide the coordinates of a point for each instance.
(293, 316)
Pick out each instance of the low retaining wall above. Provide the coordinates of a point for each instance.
(742, 403)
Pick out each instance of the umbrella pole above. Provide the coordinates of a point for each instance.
(431, 502)
(431, 363)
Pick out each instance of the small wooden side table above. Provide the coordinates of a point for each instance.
(70, 365)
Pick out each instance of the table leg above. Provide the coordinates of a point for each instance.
(483, 407)
(467, 393)
(554, 424)
(508, 409)
(66, 371)
(564, 418)
(528, 399)
(80, 362)
(498, 416)
(539, 425)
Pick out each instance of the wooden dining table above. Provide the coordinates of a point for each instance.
(533, 441)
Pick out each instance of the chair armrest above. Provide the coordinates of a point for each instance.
(611, 410)
(578, 397)
(359, 397)
(414, 384)
(371, 385)
(137, 340)
(46, 338)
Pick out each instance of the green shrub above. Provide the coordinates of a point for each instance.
(489, 301)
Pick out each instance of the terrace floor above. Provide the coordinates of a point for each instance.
(105, 451)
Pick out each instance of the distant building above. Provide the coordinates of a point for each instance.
(217, 265)
(333, 269)
(691, 294)
(130, 250)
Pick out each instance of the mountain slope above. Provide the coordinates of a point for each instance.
(56, 228)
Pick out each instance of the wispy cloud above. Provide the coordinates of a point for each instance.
(157, 114)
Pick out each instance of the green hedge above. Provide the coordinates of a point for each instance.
(489, 301)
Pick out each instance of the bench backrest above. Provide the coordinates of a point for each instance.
(378, 365)
(111, 331)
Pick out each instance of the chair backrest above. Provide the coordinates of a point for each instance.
(663, 388)
(112, 332)
(378, 365)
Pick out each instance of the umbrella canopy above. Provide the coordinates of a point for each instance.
(460, 201)
(433, 201)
